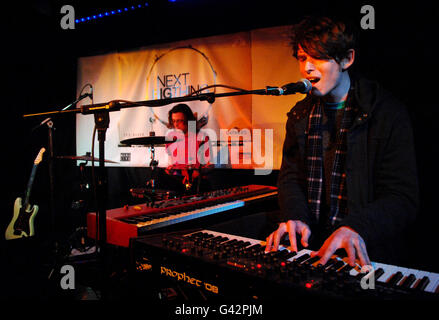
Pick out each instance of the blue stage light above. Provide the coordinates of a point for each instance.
(112, 12)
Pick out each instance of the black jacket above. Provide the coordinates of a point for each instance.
(381, 177)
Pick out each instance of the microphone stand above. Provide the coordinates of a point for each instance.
(53, 240)
(102, 121)
(52, 186)
(117, 105)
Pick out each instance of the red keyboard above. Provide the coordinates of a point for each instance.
(132, 221)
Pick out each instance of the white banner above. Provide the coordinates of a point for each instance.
(247, 60)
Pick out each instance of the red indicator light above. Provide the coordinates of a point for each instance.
(283, 264)
(309, 285)
(184, 250)
(259, 266)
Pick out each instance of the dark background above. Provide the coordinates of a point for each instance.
(39, 64)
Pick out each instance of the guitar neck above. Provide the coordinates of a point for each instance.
(29, 186)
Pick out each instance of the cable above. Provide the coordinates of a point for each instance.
(215, 86)
(85, 86)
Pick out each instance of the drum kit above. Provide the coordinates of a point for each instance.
(150, 193)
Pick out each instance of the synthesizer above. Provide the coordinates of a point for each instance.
(222, 266)
(135, 220)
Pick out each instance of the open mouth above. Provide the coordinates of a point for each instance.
(314, 80)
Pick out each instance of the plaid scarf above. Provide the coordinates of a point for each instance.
(314, 163)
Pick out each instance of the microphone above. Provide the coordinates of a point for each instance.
(81, 97)
(302, 86)
(91, 92)
(85, 95)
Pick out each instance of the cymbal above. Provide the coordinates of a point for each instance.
(83, 158)
(147, 141)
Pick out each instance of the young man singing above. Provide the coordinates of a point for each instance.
(348, 176)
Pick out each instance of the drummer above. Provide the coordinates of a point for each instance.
(187, 167)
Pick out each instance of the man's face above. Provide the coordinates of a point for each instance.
(179, 121)
(325, 75)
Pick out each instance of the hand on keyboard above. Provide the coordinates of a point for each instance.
(291, 227)
(347, 239)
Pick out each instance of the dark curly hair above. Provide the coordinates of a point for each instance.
(323, 38)
(183, 108)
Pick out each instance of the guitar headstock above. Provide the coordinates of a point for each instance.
(39, 157)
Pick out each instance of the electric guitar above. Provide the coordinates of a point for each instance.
(22, 223)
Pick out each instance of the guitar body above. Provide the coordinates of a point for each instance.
(22, 223)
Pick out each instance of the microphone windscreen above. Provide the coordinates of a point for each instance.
(307, 86)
